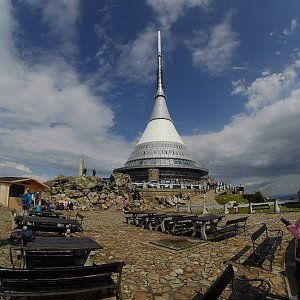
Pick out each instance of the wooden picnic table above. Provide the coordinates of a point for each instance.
(134, 214)
(161, 221)
(205, 223)
(57, 251)
(48, 224)
(54, 214)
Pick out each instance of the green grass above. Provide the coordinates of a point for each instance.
(242, 210)
(226, 198)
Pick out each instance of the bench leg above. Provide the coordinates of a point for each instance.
(202, 230)
(271, 258)
(90, 259)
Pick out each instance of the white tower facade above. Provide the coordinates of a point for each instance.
(160, 147)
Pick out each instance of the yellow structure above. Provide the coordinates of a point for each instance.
(81, 166)
(12, 189)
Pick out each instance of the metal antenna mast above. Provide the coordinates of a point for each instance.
(160, 77)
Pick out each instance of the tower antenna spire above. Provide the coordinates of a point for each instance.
(160, 77)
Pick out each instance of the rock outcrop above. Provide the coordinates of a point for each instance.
(90, 192)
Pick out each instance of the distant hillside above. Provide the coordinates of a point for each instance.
(285, 197)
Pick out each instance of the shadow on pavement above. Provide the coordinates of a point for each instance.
(290, 268)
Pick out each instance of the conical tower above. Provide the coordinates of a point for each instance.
(160, 154)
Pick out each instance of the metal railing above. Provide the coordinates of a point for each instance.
(275, 206)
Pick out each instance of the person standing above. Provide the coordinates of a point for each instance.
(37, 198)
(235, 208)
(294, 229)
(94, 172)
(70, 205)
(125, 204)
(25, 202)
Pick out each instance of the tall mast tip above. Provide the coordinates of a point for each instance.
(158, 42)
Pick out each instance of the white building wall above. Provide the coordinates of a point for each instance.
(4, 194)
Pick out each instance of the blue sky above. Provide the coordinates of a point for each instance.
(78, 77)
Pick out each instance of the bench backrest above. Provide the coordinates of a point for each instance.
(66, 272)
(236, 221)
(217, 288)
(47, 259)
(255, 235)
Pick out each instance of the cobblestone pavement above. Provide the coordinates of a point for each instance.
(158, 274)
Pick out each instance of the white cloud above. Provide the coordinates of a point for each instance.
(133, 61)
(48, 117)
(167, 12)
(217, 54)
(239, 87)
(239, 68)
(61, 18)
(18, 168)
(292, 29)
(269, 88)
(136, 62)
(263, 144)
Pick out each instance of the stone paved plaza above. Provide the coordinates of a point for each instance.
(153, 272)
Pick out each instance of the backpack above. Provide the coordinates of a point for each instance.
(24, 199)
(26, 235)
(15, 239)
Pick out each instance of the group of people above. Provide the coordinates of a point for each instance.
(84, 172)
(65, 205)
(34, 200)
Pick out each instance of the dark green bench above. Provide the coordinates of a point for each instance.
(231, 227)
(242, 288)
(264, 246)
(62, 281)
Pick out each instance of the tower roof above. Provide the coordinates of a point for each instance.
(160, 126)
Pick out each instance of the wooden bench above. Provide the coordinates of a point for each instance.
(261, 207)
(48, 259)
(179, 225)
(62, 281)
(242, 288)
(79, 217)
(129, 217)
(145, 221)
(264, 246)
(51, 228)
(231, 228)
(48, 224)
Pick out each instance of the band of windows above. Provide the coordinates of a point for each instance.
(161, 162)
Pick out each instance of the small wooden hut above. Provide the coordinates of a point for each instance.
(12, 189)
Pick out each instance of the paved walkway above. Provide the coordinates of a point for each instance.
(158, 274)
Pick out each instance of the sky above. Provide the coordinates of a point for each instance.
(78, 78)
